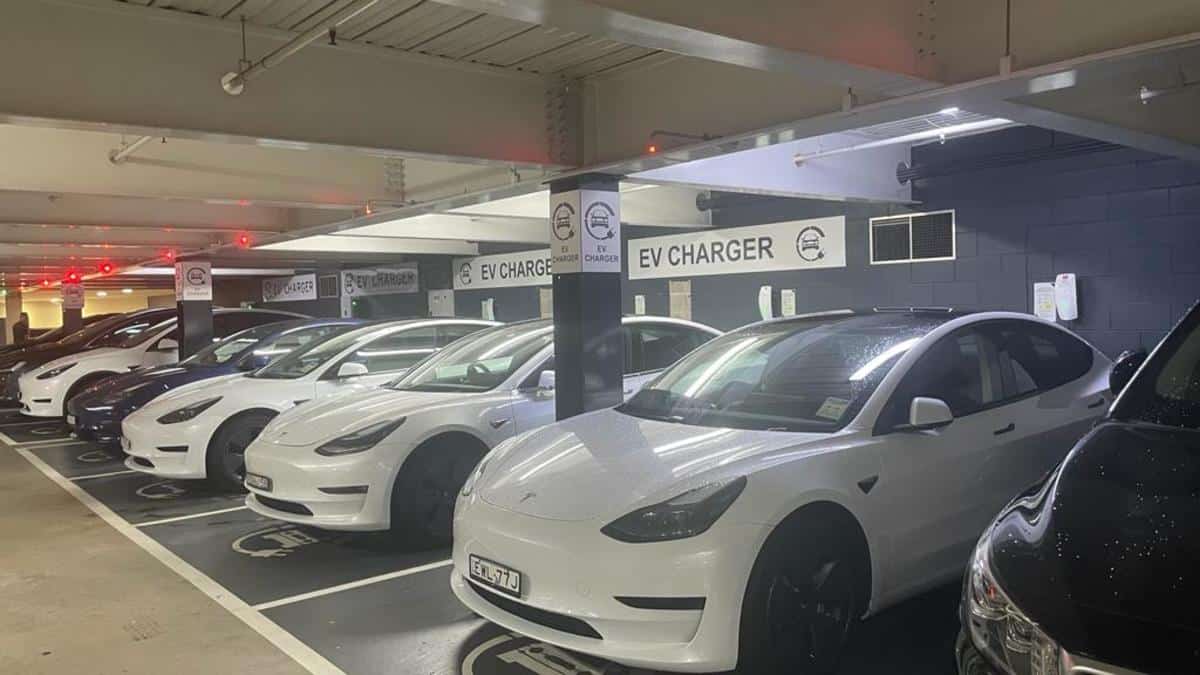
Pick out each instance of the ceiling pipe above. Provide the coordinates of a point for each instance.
(123, 153)
(235, 82)
(941, 133)
(1147, 94)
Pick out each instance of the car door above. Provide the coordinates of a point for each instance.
(385, 358)
(932, 493)
(652, 347)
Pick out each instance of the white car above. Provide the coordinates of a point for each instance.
(395, 457)
(201, 430)
(745, 508)
(45, 390)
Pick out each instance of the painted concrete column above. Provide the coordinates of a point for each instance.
(12, 312)
(585, 247)
(193, 301)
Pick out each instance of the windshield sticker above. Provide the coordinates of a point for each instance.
(833, 408)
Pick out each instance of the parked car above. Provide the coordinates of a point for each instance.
(45, 390)
(395, 457)
(104, 333)
(95, 413)
(53, 335)
(751, 503)
(201, 430)
(1094, 568)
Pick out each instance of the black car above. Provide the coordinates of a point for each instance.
(53, 335)
(1096, 569)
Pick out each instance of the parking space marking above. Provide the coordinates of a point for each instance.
(289, 644)
(99, 475)
(176, 519)
(21, 424)
(352, 584)
(52, 443)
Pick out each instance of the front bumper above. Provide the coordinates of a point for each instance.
(310, 489)
(98, 426)
(169, 451)
(572, 574)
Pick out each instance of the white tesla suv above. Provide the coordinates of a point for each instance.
(395, 457)
(745, 508)
(46, 389)
(201, 430)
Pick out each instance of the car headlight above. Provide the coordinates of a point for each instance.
(999, 629)
(469, 486)
(55, 372)
(685, 515)
(189, 411)
(361, 440)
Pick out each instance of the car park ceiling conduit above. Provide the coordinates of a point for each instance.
(123, 153)
(235, 82)
(980, 126)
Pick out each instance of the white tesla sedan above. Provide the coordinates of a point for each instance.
(395, 457)
(745, 508)
(201, 430)
(45, 390)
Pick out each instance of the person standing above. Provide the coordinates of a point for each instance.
(21, 329)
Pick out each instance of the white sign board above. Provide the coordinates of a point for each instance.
(794, 245)
(382, 281)
(585, 231)
(1043, 301)
(287, 289)
(524, 268)
(72, 296)
(193, 281)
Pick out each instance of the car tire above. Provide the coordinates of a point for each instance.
(801, 602)
(225, 462)
(423, 496)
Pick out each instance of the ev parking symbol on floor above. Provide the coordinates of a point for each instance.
(511, 654)
(163, 489)
(95, 457)
(273, 542)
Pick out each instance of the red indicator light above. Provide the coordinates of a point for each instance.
(652, 149)
(243, 240)
(106, 268)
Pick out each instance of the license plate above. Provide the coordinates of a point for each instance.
(125, 444)
(70, 420)
(256, 481)
(495, 575)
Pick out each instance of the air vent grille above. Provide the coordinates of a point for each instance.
(327, 286)
(913, 237)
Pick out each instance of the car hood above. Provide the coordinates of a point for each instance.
(606, 463)
(100, 353)
(1105, 554)
(143, 385)
(318, 421)
(213, 386)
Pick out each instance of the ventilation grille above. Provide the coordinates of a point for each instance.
(327, 286)
(913, 237)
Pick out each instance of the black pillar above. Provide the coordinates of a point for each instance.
(193, 302)
(585, 238)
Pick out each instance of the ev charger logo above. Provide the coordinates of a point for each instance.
(599, 219)
(808, 243)
(464, 274)
(512, 654)
(562, 222)
(273, 542)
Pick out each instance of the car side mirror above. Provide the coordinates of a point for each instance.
(545, 388)
(926, 413)
(1123, 369)
(351, 369)
(166, 345)
(254, 362)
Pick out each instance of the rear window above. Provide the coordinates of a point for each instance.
(1166, 391)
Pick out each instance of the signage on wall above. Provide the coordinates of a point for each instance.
(524, 268)
(585, 231)
(193, 281)
(72, 296)
(286, 289)
(381, 281)
(794, 245)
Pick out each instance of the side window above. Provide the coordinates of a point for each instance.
(531, 382)
(396, 351)
(448, 333)
(656, 346)
(959, 369)
(1033, 357)
(158, 344)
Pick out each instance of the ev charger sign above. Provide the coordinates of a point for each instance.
(524, 268)
(286, 289)
(794, 245)
(359, 283)
(585, 231)
(193, 281)
(72, 296)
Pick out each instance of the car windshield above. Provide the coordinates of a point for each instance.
(133, 333)
(1166, 391)
(313, 355)
(220, 352)
(812, 374)
(94, 330)
(478, 362)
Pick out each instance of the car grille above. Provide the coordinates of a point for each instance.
(554, 620)
(281, 505)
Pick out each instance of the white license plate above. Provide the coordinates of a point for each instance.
(256, 481)
(70, 420)
(125, 444)
(495, 575)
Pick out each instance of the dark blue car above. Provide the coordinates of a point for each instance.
(96, 413)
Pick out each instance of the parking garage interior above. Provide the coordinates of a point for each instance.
(575, 162)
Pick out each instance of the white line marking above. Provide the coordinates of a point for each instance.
(97, 475)
(353, 584)
(53, 443)
(301, 653)
(176, 519)
(25, 423)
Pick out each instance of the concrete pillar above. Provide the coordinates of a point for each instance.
(12, 312)
(193, 300)
(585, 244)
(72, 306)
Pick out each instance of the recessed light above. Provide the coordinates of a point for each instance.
(101, 294)
(126, 291)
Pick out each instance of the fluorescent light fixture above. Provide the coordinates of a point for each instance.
(101, 294)
(126, 291)
(217, 272)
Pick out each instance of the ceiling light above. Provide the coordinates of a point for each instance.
(56, 301)
(126, 291)
(101, 294)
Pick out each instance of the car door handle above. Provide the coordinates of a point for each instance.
(1097, 403)
(1005, 430)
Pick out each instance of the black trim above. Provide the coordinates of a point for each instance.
(142, 461)
(552, 620)
(661, 603)
(281, 505)
(173, 448)
(347, 490)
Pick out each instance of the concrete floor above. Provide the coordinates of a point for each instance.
(78, 597)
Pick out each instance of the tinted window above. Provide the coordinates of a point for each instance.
(231, 346)
(234, 322)
(959, 369)
(656, 346)
(133, 332)
(480, 361)
(1166, 390)
(1035, 357)
(393, 352)
(314, 354)
(450, 332)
